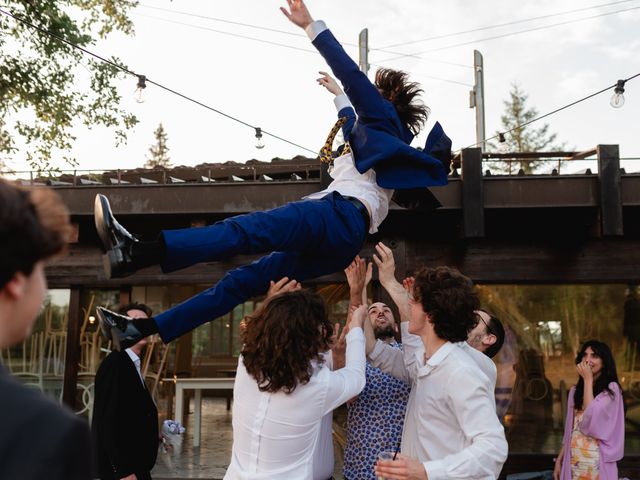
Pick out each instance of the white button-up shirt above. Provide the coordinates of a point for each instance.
(450, 425)
(276, 435)
(136, 361)
(348, 181)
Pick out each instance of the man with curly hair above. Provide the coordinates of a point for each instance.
(450, 429)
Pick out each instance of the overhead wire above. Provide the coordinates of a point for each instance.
(506, 24)
(268, 42)
(564, 107)
(504, 35)
(157, 84)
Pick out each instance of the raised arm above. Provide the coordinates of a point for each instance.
(341, 101)
(367, 101)
(358, 277)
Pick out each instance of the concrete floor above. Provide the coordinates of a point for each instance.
(209, 460)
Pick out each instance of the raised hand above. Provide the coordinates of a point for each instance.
(584, 370)
(297, 13)
(281, 286)
(328, 82)
(358, 317)
(358, 276)
(386, 264)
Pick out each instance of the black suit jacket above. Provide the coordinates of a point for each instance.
(125, 419)
(39, 438)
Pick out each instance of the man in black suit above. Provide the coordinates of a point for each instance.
(38, 439)
(125, 418)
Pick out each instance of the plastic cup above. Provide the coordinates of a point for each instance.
(385, 456)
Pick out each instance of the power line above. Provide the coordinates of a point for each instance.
(315, 52)
(520, 127)
(515, 22)
(159, 85)
(246, 37)
(268, 29)
(543, 27)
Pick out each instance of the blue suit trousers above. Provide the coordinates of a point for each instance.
(308, 238)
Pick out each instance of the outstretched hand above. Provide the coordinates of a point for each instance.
(386, 264)
(358, 317)
(328, 82)
(281, 286)
(297, 13)
(358, 275)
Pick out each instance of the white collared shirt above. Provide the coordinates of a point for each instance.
(348, 181)
(483, 362)
(136, 361)
(450, 424)
(277, 435)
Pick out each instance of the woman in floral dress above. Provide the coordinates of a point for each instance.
(594, 430)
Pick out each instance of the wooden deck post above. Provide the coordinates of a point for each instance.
(611, 220)
(472, 193)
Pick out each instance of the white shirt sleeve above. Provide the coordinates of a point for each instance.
(390, 360)
(347, 382)
(341, 101)
(315, 28)
(471, 402)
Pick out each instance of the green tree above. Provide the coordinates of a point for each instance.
(158, 152)
(530, 138)
(42, 96)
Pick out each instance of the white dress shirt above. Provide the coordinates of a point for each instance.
(348, 181)
(450, 424)
(483, 362)
(276, 435)
(136, 361)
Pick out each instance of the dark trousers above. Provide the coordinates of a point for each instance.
(307, 239)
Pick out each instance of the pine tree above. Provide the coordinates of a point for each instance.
(159, 151)
(526, 139)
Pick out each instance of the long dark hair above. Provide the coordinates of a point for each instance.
(607, 375)
(283, 337)
(394, 85)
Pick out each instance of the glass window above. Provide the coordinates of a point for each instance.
(545, 327)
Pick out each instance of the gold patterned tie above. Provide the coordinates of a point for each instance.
(326, 151)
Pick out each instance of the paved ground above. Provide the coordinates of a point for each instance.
(210, 460)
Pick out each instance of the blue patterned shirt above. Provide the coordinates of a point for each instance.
(374, 422)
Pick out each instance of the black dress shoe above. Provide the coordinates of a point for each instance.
(116, 240)
(118, 328)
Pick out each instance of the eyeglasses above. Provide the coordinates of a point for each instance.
(489, 331)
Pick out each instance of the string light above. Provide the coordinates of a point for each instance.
(147, 80)
(140, 86)
(502, 143)
(259, 140)
(617, 99)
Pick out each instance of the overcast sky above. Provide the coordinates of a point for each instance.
(274, 87)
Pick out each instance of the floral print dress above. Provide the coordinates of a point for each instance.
(585, 453)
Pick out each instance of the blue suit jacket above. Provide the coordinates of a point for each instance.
(377, 137)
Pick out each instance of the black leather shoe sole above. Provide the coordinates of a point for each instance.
(109, 330)
(104, 221)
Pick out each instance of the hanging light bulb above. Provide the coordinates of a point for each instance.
(617, 99)
(141, 85)
(259, 140)
(502, 144)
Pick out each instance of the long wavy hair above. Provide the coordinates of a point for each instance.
(394, 85)
(450, 300)
(607, 375)
(282, 339)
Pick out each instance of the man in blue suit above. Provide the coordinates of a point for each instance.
(316, 236)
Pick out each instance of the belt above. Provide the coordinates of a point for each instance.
(362, 209)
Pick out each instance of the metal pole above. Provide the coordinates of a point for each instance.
(476, 98)
(363, 51)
